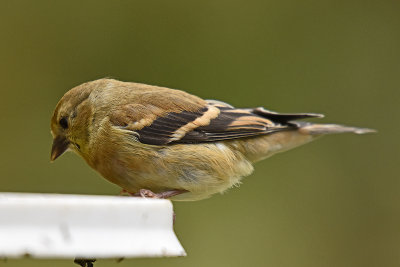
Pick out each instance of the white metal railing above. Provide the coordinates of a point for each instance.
(69, 226)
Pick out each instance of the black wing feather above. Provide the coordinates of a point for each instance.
(231, 123)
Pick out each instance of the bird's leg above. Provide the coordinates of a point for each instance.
(163, 195)
(125, 192)
(84, 262)
(147, 193)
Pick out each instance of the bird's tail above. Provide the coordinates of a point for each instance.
(307, 127)
(265, 146)
(322, 129)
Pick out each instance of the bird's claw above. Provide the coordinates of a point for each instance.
(148, 194)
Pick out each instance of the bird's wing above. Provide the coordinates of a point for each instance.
(215, 121)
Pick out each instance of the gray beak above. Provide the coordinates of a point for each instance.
(60, 145)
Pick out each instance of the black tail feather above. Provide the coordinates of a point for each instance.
(284, 118)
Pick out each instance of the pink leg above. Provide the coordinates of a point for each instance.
(123, 192)
(163, 195)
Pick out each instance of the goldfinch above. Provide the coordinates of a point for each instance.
(159, 142)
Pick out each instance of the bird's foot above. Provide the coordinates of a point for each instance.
(125, 192)
(163, 195)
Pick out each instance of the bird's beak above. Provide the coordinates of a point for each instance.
(60, 145)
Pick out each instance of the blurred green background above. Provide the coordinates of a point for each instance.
(334, 202)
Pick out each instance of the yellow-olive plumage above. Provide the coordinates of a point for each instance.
(147, 137)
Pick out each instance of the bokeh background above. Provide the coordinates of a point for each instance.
(334, 202)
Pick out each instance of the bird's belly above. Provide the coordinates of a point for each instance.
(202, 170)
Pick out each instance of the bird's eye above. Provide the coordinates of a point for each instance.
(64, 122)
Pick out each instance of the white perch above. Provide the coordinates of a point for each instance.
(69, 226)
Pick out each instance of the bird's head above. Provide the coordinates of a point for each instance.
(70, 120)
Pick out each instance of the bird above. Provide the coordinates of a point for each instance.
(165, 143)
